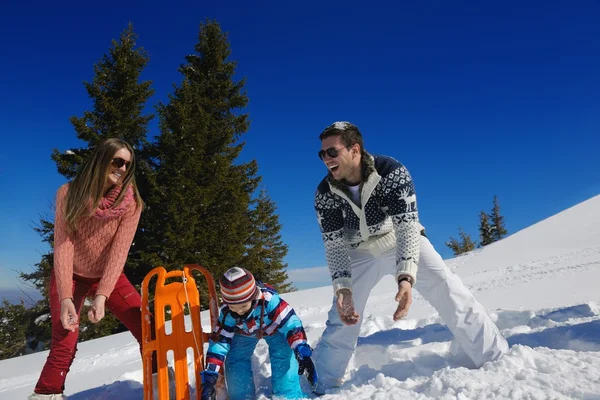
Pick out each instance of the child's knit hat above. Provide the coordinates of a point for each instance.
(237, 286)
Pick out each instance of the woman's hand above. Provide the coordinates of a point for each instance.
(68, 315)
(96, 313)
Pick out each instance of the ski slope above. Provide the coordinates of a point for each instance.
(540, 285)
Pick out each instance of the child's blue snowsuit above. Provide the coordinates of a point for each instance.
(234, 339)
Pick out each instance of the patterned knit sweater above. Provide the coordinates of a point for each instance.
(98, 249)
(276, 314)
(386, 217)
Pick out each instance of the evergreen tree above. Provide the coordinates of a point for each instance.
(454, 245)
(118, 101)
(467, 244)
(265, 249)
(39, 329)
(462, 245)
(485, 230)
(14, 319)
(498, 229)
(39, 277)
(202, 209)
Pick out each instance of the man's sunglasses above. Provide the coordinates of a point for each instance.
(118, 162)
(331, 152)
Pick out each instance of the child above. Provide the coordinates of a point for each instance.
(252, 311)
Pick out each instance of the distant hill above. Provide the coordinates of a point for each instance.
(14, 295)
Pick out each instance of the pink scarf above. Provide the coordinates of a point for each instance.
(106, 210)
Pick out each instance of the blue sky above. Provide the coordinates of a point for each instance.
(475, 98)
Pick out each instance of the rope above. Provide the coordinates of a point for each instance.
(187, 299)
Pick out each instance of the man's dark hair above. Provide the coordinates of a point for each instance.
(348, 132)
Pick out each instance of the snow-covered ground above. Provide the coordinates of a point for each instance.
(540, 285)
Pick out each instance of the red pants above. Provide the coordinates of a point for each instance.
(124, 302)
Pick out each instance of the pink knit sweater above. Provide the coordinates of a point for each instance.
(98, 249)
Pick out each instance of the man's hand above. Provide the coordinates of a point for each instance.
(345, 307)
(68, 315)
(96, 313)
(404, 299)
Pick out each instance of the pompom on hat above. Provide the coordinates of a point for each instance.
(237, 286)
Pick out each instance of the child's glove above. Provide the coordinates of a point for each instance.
(209, 380)
(305, 364)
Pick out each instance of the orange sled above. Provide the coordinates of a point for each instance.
(159, 337)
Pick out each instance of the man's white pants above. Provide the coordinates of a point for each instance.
(473, 330)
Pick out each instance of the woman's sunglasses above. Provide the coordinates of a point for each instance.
(118, 162)
(331, 152)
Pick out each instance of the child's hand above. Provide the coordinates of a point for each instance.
(209, 379)
(305, 364)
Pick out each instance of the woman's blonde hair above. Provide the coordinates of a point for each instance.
(87, 188)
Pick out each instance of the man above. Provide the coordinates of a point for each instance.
(367, 211)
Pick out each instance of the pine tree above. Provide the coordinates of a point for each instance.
(118, 101)
(454, 245)
(485, 230)
(203, 209)
(118, 98)
(39, 329)
(467, 243)
(203, 195)
(265, 249)
(498, 229)
(462, 245)
(14, 320)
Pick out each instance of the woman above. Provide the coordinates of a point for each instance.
(97, 215)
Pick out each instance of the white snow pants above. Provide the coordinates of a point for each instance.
(473, 330)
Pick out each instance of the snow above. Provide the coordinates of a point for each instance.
(540, 285)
